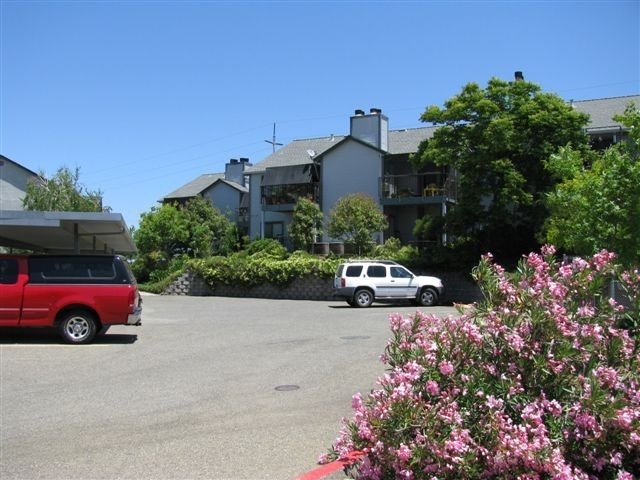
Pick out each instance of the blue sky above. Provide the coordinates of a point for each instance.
(144, 96)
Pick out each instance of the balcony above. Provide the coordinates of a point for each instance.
(418, 189)
(285, 197)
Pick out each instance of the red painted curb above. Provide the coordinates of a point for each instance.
(332, 467)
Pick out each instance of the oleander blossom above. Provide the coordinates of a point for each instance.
(539, 381)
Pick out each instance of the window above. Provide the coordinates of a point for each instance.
(287, 194)
(354, 271)
(399, 272)
(8, 271)
(274, 230)
(377, 271)
(72, 269)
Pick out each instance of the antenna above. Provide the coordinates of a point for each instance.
(273, 139)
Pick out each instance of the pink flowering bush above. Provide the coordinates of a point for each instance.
(539, 381)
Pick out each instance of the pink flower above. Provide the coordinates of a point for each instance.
(494, 403)
(403, 453)
(624, 418)
(622, 475)
(433, 388)
(607, 376)
(446, 367)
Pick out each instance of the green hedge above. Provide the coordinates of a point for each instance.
(266, 261)
(252, 270)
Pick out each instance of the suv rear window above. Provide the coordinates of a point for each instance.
(354, 271)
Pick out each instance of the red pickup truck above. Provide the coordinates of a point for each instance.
(80, 295)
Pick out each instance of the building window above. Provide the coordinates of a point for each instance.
(274, 230)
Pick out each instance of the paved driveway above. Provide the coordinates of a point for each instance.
(207, 387)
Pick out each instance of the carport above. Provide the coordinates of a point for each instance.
(65, 232)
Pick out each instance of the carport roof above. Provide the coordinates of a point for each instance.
(74, 232)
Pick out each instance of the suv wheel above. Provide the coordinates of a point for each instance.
(78, 327)
(363, 298)
(428, 297)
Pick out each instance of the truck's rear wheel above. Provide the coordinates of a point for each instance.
(78, 327)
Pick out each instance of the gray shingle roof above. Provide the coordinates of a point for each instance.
(299, 152)
(196, 186)
(237, 186)
(408, 140)
(602, 110)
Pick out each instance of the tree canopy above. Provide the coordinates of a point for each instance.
(597, 204)
(195, 230)
(62, 193)
(356, 218)
(306, 223)
(497, 139)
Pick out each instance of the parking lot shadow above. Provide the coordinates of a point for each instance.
(48, 336)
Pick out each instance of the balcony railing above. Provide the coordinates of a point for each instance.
(424, 185)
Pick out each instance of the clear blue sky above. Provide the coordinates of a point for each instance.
(145, 96)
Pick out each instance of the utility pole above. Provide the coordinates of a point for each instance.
(273, 139)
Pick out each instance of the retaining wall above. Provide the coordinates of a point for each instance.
(458, 288)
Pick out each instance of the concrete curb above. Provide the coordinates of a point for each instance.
(333, 470)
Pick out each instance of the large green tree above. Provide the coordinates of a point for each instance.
(168, 232)
(356, 218)
(62, 193)
(306, 223)
(497, 139)
(597, 205)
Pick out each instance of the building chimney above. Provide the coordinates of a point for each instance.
(234, 170)
(519, 77)
(372, 128)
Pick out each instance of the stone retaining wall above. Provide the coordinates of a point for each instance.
(458, 289)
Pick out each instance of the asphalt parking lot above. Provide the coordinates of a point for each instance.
(208, 387)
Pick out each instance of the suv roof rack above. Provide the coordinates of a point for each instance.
(368, 260)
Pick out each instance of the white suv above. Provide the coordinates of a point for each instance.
(362, 282)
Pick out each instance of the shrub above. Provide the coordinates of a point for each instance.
(392, 249)
(268, 247)
(261, 267)
(539, 381)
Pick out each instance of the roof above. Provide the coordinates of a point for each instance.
(77, 232)
(302, 152)
(200, 184)
(235, 185)
(4, 159)
(408, 140)
(196, 186)
(298, 152)
(602, 110)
